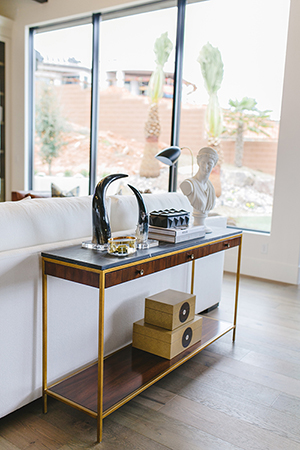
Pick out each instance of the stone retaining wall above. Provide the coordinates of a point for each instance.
(125, 115)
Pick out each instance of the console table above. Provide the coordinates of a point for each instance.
(108, 383)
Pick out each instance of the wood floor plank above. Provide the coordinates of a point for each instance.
(261, 376)
(231, 381)
(273, 364)
(71, 422)
(283, 334)
(271, 317)
(244, 396)
(248, 342)
(32, 429)
(119, 437)
(290, 385)
(229, 429)
(267, 417)
(288, 404)
(6, 445)
(174, 433)
(154, 397)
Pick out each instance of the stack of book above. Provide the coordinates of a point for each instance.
(175, 235)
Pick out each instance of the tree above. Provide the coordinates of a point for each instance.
(212, 70)
(149, 165)
(49, 125)
(242, 116)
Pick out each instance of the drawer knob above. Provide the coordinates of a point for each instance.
(227, 244)
(141, 272)
(192, 256)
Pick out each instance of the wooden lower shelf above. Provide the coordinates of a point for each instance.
(128, 372)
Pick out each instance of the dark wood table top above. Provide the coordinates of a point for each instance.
(95, 259)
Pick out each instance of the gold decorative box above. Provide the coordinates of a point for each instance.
(166, 343)
(169, 309)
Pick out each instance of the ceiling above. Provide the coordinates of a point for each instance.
(10, 8)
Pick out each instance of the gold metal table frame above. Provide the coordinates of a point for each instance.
(102, 271)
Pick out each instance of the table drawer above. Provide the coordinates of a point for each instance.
(71, 273)
(224, 245)
(147, 267)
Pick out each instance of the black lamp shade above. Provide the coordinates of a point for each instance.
(169, 155)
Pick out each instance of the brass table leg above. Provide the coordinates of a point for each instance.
(100, 357)
(193, 276)
(44, 283)
(237, 289)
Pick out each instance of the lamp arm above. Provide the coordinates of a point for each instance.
(192, 156)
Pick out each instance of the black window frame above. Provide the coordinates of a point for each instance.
(96, 19)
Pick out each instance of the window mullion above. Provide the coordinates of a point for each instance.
(31, 108)
(94, 103)
(177, 89)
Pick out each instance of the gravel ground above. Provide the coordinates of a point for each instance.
(245, 193)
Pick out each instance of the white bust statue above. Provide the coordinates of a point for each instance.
(198, 189)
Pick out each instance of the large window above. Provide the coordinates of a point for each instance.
(90, 119)
(248, 39)
(62, 87)
(130, 124)
(134, 125)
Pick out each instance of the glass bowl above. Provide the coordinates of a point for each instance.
(122, 245)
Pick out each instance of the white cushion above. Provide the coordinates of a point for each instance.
(44, 220)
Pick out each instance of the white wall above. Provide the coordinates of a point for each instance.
(274, 256)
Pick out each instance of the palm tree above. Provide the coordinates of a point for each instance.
(149, 165)
(244, 116)
(212, 70)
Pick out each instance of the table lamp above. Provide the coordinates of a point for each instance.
(170, 156)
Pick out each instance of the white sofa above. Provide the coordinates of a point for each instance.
(29, 227)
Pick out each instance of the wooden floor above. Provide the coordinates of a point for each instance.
(229, 397)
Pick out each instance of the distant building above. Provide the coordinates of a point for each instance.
(70, 71)
(61, 72)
